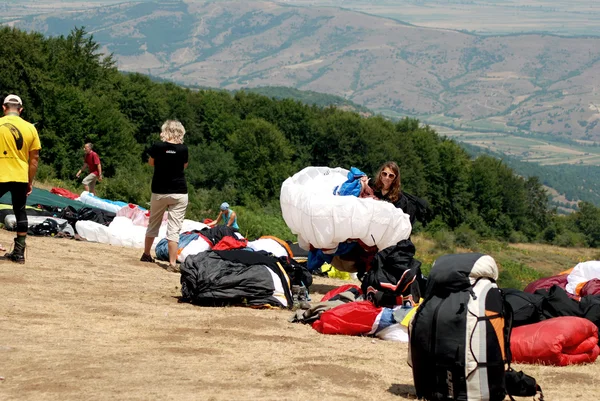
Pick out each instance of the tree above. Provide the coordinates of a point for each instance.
(587, 220)
(455, 171)
(262, 156)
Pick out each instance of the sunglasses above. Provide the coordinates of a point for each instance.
(391, 175)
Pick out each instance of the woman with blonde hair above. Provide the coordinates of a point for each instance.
(169, 189)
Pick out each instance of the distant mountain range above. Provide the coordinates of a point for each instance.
(527, 83)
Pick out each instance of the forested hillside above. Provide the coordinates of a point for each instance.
(532, 83)
(576, 182)
(243, 146)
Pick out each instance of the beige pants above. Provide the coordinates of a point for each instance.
(90, 181)
(175, 204)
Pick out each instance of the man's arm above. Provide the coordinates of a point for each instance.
(151, 161)
(34, 157)
(99, 171)
(81, 169)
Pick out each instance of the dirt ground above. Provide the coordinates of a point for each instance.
(88, 321)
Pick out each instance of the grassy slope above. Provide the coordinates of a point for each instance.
(519, 264)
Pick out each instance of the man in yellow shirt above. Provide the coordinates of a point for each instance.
(19, 155)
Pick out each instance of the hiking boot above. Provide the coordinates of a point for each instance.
(17, 255)
(146, 258)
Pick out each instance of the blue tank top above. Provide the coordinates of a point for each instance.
(226, 220)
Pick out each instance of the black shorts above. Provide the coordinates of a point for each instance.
(18, 192)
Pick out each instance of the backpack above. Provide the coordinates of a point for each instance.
(460, 334)
(394, 277)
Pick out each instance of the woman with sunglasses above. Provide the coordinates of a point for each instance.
(386, 186)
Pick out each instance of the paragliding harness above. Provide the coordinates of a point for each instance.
(394, 277)
(48, 227)
(460, 336)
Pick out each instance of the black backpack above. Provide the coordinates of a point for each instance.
(394, 277)
(460, 334)
(48, 227)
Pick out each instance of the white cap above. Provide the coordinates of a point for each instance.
(13, 99)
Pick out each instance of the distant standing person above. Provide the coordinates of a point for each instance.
(92, 162)
(19, 154)
(169, 188)
(226, 216)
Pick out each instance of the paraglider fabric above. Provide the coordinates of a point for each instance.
(591, 287)
(230, 242)
(269, 246)
(352, 186)
(162, 248)
(316, 257)
(42, 197)
(581, 274)
(351, 319)
(343, 288)
(559, 341)
(324, 220)
(64, 193)
(215, 278)
(546, 283)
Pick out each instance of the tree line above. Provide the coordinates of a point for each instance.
(244, 145)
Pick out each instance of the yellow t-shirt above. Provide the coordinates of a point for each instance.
(17, 139)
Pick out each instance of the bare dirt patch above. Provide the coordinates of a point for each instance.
(88, 321)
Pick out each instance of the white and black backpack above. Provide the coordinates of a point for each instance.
(460, 334)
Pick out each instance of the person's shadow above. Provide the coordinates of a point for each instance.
(322, 288)
(167, 267)
(405, 391)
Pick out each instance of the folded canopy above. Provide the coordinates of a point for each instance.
(323, 220)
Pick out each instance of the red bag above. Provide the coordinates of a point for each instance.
(561, 341)
(351, 319)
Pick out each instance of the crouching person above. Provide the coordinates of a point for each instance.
(169, 189)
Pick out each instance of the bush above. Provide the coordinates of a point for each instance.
(130, 185)
(436, 225)
(570, 239)
(492, 246)
(444, 241)
(466, 237)
(477, 223)
(45, 172)
(517, 237)
(425, 268)
(256, 223)
(204, 203)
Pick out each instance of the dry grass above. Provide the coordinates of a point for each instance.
(87, 321)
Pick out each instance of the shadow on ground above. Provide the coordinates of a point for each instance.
(405, 391)
(322, 288)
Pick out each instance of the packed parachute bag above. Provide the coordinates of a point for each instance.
(460, 335)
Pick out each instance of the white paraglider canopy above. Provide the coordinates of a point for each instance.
(323, 220)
